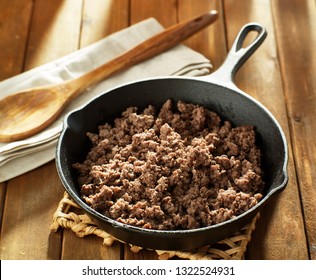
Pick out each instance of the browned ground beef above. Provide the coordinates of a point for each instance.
(170, 170)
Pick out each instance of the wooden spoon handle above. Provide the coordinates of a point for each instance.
(147, 49)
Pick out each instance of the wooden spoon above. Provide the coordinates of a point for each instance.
(26, 113)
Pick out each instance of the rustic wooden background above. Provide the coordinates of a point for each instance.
(281, 75)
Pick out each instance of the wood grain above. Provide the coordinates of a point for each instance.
(102, 18)
(14, 35)
(3, 189)
(296, 44)
(55, 31)
(163, 11)
(88, 248)
(281, 75)
(211, 41)
(29, 206)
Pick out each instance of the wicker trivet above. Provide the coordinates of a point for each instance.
(232, 248)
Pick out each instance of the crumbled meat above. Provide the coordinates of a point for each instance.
(171, 170)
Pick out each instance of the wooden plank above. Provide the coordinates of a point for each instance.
(211, 42)
(55, 31)
(31, 199)
(13, 34)
(88, 248)
(3, 188)
(162, 10)
(281, 221)
(100, 18)
(296, 38)
(29, 207)
(141, 255)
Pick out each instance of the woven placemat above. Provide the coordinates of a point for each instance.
(232, 248)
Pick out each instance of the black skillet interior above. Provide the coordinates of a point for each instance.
(230, 103)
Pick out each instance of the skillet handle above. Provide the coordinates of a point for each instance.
(238, 54)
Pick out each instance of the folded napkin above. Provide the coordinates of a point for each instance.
(22, 156)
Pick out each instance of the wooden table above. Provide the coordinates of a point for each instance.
(281, 74)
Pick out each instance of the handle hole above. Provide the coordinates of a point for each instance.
(247, 39)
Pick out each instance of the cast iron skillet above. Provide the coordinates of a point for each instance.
(216, 92)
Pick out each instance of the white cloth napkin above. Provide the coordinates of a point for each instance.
(22, 156)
